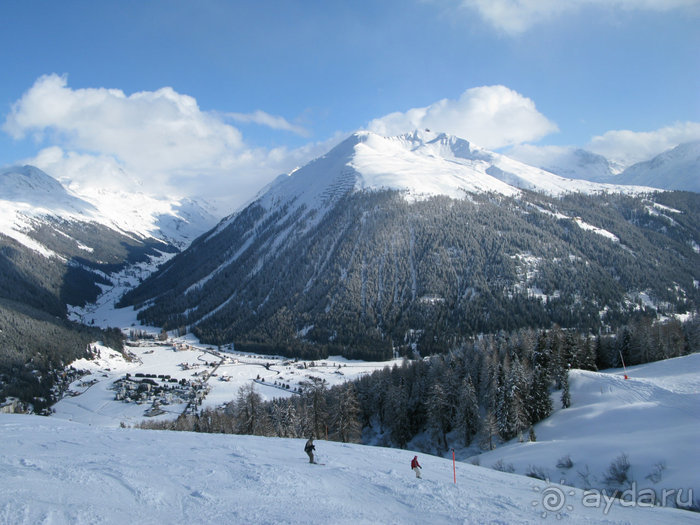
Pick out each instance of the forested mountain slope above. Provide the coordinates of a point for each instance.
(369, 249)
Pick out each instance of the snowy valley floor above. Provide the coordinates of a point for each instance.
(60, 472)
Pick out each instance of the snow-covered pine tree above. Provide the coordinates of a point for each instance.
(489, 428)
(396, 414)
(250, 416)
(467, 415)
(315, 394)
(519, 389)
(345, 420)
(565, 396)
(438, 414)
(539, 401)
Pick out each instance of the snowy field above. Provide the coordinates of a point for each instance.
(60, 472)
(93, 395)
(653, 418)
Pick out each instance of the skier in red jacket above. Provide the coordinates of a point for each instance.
(416, 467)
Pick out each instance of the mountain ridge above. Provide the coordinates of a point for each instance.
(677, 168)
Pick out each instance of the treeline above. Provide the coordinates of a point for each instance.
(493, 389)
(35, 347)
(317, 411)
(496, 387)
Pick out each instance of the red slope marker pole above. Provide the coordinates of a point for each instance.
(623, 365)
(454, 467)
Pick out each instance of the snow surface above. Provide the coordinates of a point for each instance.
(91, 399)
(653, 417)
(62, 472)
(570, 162)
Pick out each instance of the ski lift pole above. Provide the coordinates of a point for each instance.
(454, 467)
(623, 364)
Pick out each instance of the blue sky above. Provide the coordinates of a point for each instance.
(225, 95)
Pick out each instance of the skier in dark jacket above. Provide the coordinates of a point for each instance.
(416, 467)
(309, 449)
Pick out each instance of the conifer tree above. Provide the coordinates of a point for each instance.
(346, 420)
(439, 414)
(467, 415)
(565, 397)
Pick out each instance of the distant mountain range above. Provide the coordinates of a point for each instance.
(416, 241)
(675, 169)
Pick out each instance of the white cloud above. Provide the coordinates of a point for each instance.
(540, 156)
(159, 141)
(621, 148)
(490, 116)
(271, 121)
(517, 16)
(149, 131)
(627, 147)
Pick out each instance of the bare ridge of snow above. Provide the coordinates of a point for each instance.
(33, 188)
(573, 163)
(675, 169)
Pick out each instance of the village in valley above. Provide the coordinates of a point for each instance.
(165, 378)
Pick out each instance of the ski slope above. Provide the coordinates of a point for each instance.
(653, 417)
(60, 472)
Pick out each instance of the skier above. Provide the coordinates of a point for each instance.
(416, 467)
(309, 449)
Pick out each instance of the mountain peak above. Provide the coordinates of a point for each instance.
(419, 164)
(26, 181)
(32, 186)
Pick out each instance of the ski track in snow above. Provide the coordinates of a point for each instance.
(60, 472)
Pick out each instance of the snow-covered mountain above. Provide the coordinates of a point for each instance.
(120, 475)
(28, 194)
(383, 240)
(675, 169)
(419, 164)
(60, 248)
(36, 190)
